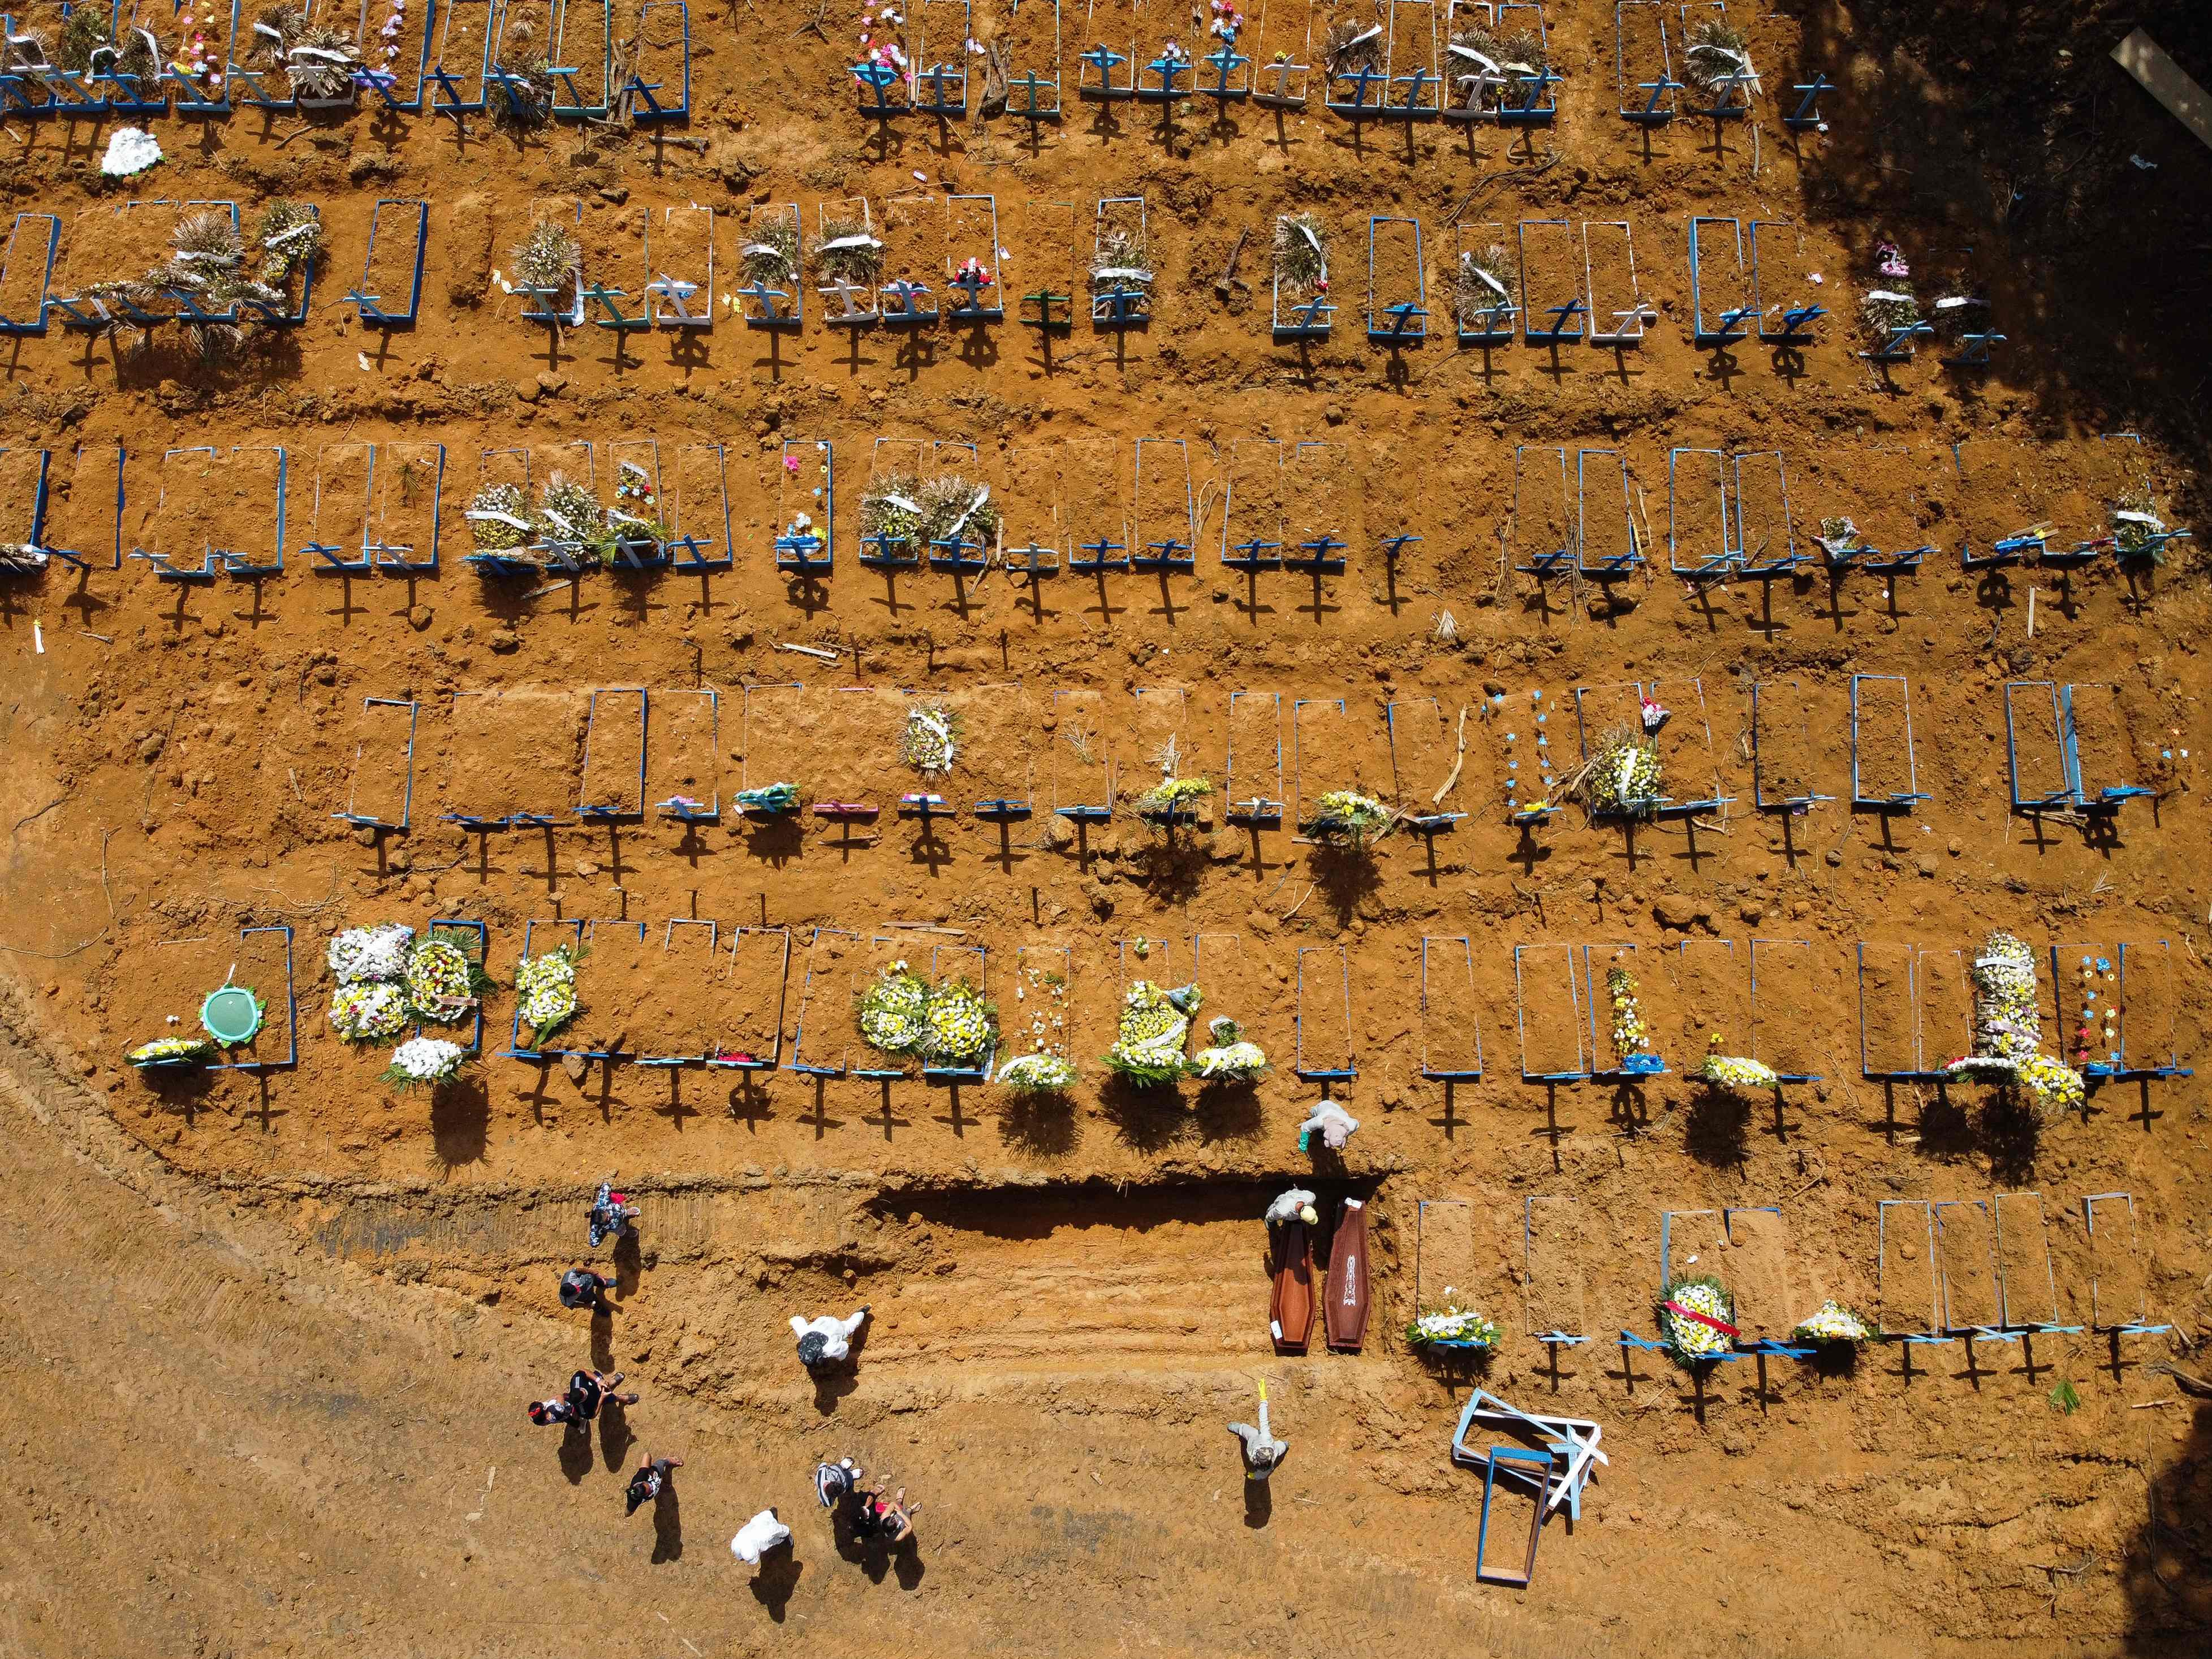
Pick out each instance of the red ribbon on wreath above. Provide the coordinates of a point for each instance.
(1725, 1329)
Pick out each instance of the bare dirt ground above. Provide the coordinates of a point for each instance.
(271, 1333)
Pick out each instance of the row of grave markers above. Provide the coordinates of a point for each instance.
(1962, 1269)
(1091, 757)
(946, 259)
(1092, 506)
(459, 58)
(762, 999)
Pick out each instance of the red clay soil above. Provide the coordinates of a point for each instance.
(1070, 1294)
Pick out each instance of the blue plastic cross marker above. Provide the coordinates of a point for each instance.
(898, 306)
(970, 306)
(1029, 84)
(1165, 70)
(1795, 321)
(878, 78)
(1124, 308)
(1651, 115)
(891, 552)
(1807, 113)
(1407, 324)
(1528, 111)
(1322, 556)
(1897, 342)
(1361, 80)
(1105, 60)
(1095, 560)
(935, 77)
(1225, 62)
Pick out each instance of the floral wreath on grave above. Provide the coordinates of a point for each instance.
(1697, 1320)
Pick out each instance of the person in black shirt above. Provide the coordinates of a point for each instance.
(587, 1389)
(653, 1473)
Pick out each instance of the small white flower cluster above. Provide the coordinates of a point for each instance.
(1461, 1327)
(1037, 1073)
(1736, 1071)
(427, 1060)
(1832, 1322)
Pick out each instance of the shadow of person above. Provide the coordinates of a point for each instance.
(906, 1562)
(1259, 1504)
(629, 1263)
(779, 1575)
(602, 1343)
(577, 1453)
(667, 1523)
(615, 1437)
(832, 1386)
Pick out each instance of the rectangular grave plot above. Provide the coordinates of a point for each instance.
(2087, 992)
(27, 271)
(410, 492)
(2004, 494)
(777, 744)
(1885, 768)
(1252, 527)
(1965, 1254)
(1790, 769)
(1002, 739)
(1688, 766)
(613, 784)
(1095, 504)
(2107, 725)
(680, 253)
(1789, 980)
(1645, 50)
(1082, 753)
(1553, 1249)
(1765, 538)
(1943, 990)
(1616, 1048)
(1332, 749)
(865, 964)
(1761, 1277)
(1031, 32)
(1618, 314)
(913, 232)
(2026, 1290)
(1253, 769)
(173, 524)
(1451, 1013)
(1159, 743)
(1239, 974)
(1397, 280)
(1414, 33)
(2041, 775)
(1549, 1010)
(1037, 1004)
(1106, 59)
(1540, 538)
(262, 960)
(1032, 535)
(1164, 534)
(1699, 541)
(1043, 262)
(1428, 758)
(586, 45)
(341, 506)
(1715, 982)
(1889, 1043)
(1281, 51)
(853, 744)
(514, 754)
(392, 265)
(771, 257)
(1444, 1252)
(1907, 1297)
(684, 754)
(1553, 304)
(2150, 1005)
(754, 1001)
(694, 506)
(461, 47)
(819, 1046)
(623, 984)
(678, 1014)
(1693, 1243)
(382, 788)
(1326, 1046)
(1322, 519)
(2119, 1279)
(803, 534)
(84, 504)
(1605, 531)
(1167, 962)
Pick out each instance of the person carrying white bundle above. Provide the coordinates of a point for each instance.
(826, 1341)
(1334, 1123)
(758, 1536)
(1296, 1204)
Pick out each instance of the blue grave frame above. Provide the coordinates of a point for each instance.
(291, 1014)
(1465, 947)
(1912, 793)
(1792, 803)
(34, 326)
(461, 925)
(614, 811)
(1521, 1018)
(1349, 1069)
(812, 553)
(582, 932)
(638, 90)
(1260, 811)
(372, 307)
(1403, 322)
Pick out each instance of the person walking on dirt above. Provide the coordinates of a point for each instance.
(1263, 1453)
(582, 1288)
(823, 1342)
(653, 1473)
(587, 1389)
(612, 1213)
(546, 1412)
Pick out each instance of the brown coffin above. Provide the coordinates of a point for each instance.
(1343, 1297)
(1291, 1310)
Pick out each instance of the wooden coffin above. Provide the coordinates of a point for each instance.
(1290, 1311)
(1343, 1297)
